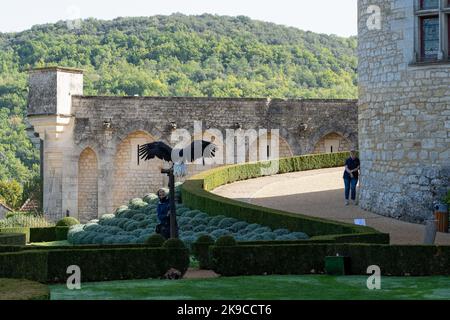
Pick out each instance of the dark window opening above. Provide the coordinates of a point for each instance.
(429, 36)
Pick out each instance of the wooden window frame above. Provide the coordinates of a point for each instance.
(443, 12)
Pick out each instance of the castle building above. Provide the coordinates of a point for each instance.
(404, 105)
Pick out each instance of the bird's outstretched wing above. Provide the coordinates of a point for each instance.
(198, 149)
(158, 149)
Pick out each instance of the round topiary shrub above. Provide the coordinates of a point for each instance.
(199, 228)
(227, 222)
(240, 225)
(174, 244)
(280, 232)
(120, 210)
(226, 241)
(155, 241)
(67, 222)
(205, 239)
(300, 236)
(214, 221)
(151, 198)
(252, 227)
(192, 213)
(219, 233)
(107, 217)
(210, 229)
(137, 204)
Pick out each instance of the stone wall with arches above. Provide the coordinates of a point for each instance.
(112, 127)
(87, 185)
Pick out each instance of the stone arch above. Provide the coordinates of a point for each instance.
(132, 179)
(87, 185)
(331, 143)
(284, 151)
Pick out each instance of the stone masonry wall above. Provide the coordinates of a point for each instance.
(130, 179)
(404, 117)
(87, 186)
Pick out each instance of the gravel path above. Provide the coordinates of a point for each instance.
(320, 193)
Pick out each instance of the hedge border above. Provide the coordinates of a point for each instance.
(97, 263)
(393, 260)
(196, 195)
(45, 234)
(13, 239)
(24, 230)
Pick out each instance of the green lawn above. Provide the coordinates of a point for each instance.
(261, 288)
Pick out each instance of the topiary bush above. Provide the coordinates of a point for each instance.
(67, 222)
(151, 198)
(200, 250)
(226, 241)
(155, 241)
(137, 221)
(178, 255)
(137, 204)
(174, 244)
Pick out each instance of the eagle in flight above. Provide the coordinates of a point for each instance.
(179, 157)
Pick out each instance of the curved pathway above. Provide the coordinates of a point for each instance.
(320, 193)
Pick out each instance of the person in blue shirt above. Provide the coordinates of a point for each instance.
(163, 213)
(351, 176)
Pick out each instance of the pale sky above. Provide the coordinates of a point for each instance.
(322, 16)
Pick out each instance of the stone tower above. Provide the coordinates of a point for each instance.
(404, 106)
(50, 114)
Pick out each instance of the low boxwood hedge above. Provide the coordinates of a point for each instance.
(24, 230)
(196, 195)
(42, 234)
(31, 265)
(395, 260)
(12, 239)
(97, 263)
(200, 250)
(108, 264)
(61, 233)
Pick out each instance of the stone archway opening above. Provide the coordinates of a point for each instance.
(87, 186)
(332, 143)
(264, 148)
(133, 178)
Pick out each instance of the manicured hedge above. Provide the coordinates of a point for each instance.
(31, 265)
(12, 239)
(97, 263)
(393, 260)
(196, 195)
(42, 234)
(61, 233)
(24, 230)
(16, 289)
(47, 234)
(108, 264)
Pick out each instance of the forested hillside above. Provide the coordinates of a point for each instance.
(173, 55)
